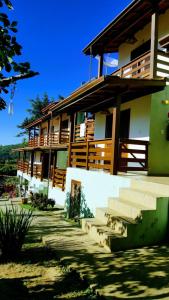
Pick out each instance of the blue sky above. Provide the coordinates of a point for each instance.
(53, 34)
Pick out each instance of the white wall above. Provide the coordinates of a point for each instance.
(97, 186)
(139, 119)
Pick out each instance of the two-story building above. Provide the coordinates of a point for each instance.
(118, 132)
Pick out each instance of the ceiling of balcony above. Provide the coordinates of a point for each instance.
(124, 27)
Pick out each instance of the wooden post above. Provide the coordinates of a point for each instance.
(115, 136)
(71, 137)
(154, 45)
(42, 169)
(60, 128)
(54, 166)
(32, 161)
(100, 66)
(29, 130)
(87, 154)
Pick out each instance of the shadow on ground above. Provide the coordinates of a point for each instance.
(133, 274)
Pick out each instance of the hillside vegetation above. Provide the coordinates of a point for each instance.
(8, 159)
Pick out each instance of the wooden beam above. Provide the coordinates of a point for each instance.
(100, 66)
(115, 136)
(42, 169)
(71, 136)
(60, 127)
(32, 161)
(154, 45)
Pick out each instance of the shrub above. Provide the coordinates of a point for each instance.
(41, 201)
(14, 225)
(5, 195)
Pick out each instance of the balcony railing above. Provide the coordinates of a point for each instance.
(137, 68)
(140, 67)
(37, 170)
(52, 139)
(84, 131)
(92, 155)
(59, 178)
(23, 166)
(133, 155)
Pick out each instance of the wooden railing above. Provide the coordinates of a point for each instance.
(59, 178)
(88, 131)
(133, 155)
(23, 166)
(52, 139)
(137, 68)
(91, 155)
(37, 170)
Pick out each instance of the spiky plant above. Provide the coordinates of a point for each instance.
(14, 225)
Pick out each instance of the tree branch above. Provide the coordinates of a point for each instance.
(7, 81)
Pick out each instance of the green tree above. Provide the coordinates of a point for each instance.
(10, 49)
(35, 112)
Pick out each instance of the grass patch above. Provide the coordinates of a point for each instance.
(38, 274)
(27, 206)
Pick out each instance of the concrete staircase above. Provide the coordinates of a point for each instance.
(139, 217)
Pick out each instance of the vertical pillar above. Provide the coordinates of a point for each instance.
(154, 45)
(100, 66)
(115, 136)
(32, 161)
(71, 136)
(60, 128)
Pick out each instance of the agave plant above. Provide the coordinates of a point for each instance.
(14, 225)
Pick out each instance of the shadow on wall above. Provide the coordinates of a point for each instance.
(76, 205)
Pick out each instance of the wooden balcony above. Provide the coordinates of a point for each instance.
(59, 178)
(23, 166)
(133, 155)
(87, 134)
(140, 67)
(50, 140)
(37, 170)
(91, 155)
(137, 68)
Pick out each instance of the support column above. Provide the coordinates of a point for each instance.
(32, 161)
(60, 128)
(100, 66)
(154, 45)
(115, 136)
(71, 136)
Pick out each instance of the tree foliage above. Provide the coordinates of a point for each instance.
(35, 112)
(10, 49)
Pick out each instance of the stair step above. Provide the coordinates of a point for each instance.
(127, 208)
(152, 186)
(105, 213)
(101, 233)
(145, 198)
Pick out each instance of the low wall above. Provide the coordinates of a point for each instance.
(97, 186)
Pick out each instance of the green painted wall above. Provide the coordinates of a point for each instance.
(62, 157)
(159, 146)
(80, 117)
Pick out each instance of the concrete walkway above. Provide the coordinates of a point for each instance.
(134, 274)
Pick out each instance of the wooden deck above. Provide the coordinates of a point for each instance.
(52, 139)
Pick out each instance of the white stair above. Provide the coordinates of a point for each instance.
(137, 218)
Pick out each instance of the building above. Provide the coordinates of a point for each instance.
(117, 135)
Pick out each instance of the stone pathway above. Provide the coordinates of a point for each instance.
(135, 274)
